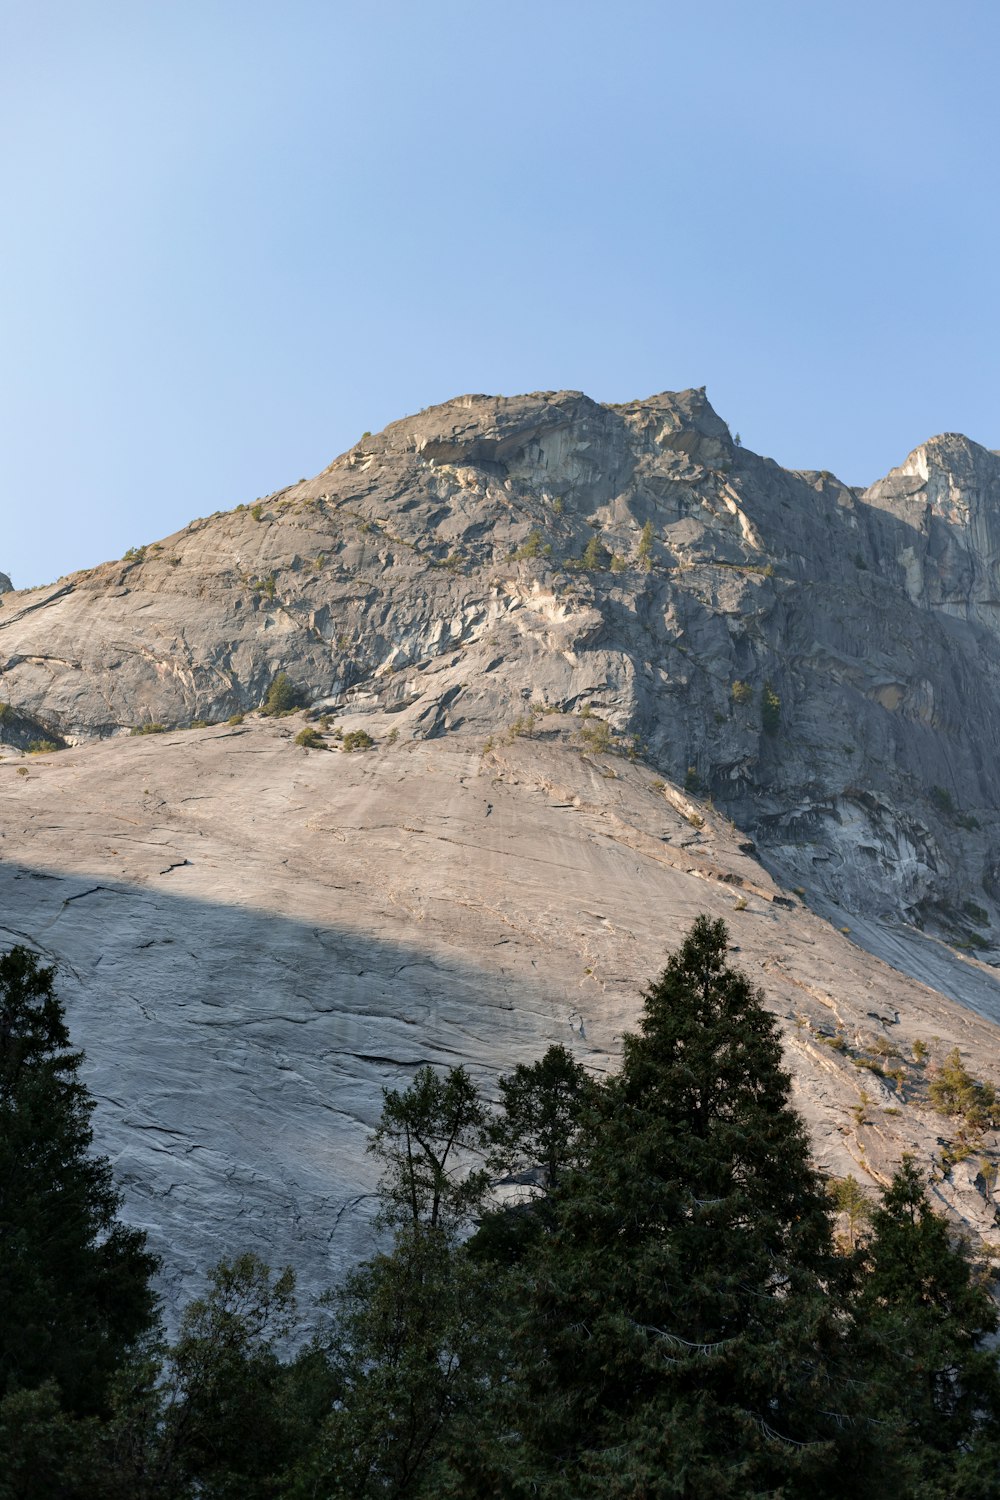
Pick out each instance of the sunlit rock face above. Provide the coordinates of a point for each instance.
(947, 494)
(618, 669)
(870, 618)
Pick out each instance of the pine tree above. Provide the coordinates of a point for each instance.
(926, 1323)
(415, 1329)
(74, 1280)
(675, 1330)
(426, 1139)
(537, 1130)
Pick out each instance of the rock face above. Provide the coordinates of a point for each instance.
(253, 939)
(566, 626)
(867, 620)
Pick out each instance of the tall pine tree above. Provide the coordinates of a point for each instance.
(675, 1330)
(925, 1321)
(74, 1280)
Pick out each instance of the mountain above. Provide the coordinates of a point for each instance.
(617, 670)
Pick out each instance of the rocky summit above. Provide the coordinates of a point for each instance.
(601, 668)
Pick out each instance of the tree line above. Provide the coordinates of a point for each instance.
(618, 1289)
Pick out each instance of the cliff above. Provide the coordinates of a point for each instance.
(617, 669)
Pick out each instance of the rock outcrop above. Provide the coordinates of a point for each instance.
(617, 669)
(867, 621)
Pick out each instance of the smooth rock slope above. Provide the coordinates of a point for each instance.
(253, 939)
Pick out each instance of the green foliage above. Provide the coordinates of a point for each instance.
(43, 747)
(693, 783)
(154, 728)
(235, 719)
(646, 547)
(954, 1091)
(417, 1338)
(268, 586)
(533, 547)
(230, 1425)
(596, 556)
(283, 696)
(45, 1452)
(6, 713)
(673, 1320)
(425, 1141)
(923, 1317)
(945, 804)
(257, 511)
(356, 739)
(542, 1105)
(135, 554)
(597, 735)
(618, 564)
(523, 725)
(852, 1202)
(770, 709)
(310, 739)
(943, 800)
(74, 1281)
(741, 693)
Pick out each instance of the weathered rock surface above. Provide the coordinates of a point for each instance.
(870, 617)
(255, 938)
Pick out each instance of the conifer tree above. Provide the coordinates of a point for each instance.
(426, 1140)
(675, 1332)
(927, 1321)
(538, 1127)
(74, 1280)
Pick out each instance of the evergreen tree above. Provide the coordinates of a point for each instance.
(535, 1137)
(924, 1319)
(675, 1333)
(417, 1341)
(415, 1329)
(538, 1128)
(283, 696)
(426, 1140)
(74, 1280)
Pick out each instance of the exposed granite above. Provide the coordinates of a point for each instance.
(253, 939)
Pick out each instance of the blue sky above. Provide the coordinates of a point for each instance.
(237, 234)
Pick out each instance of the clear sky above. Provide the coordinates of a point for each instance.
(237, 233)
